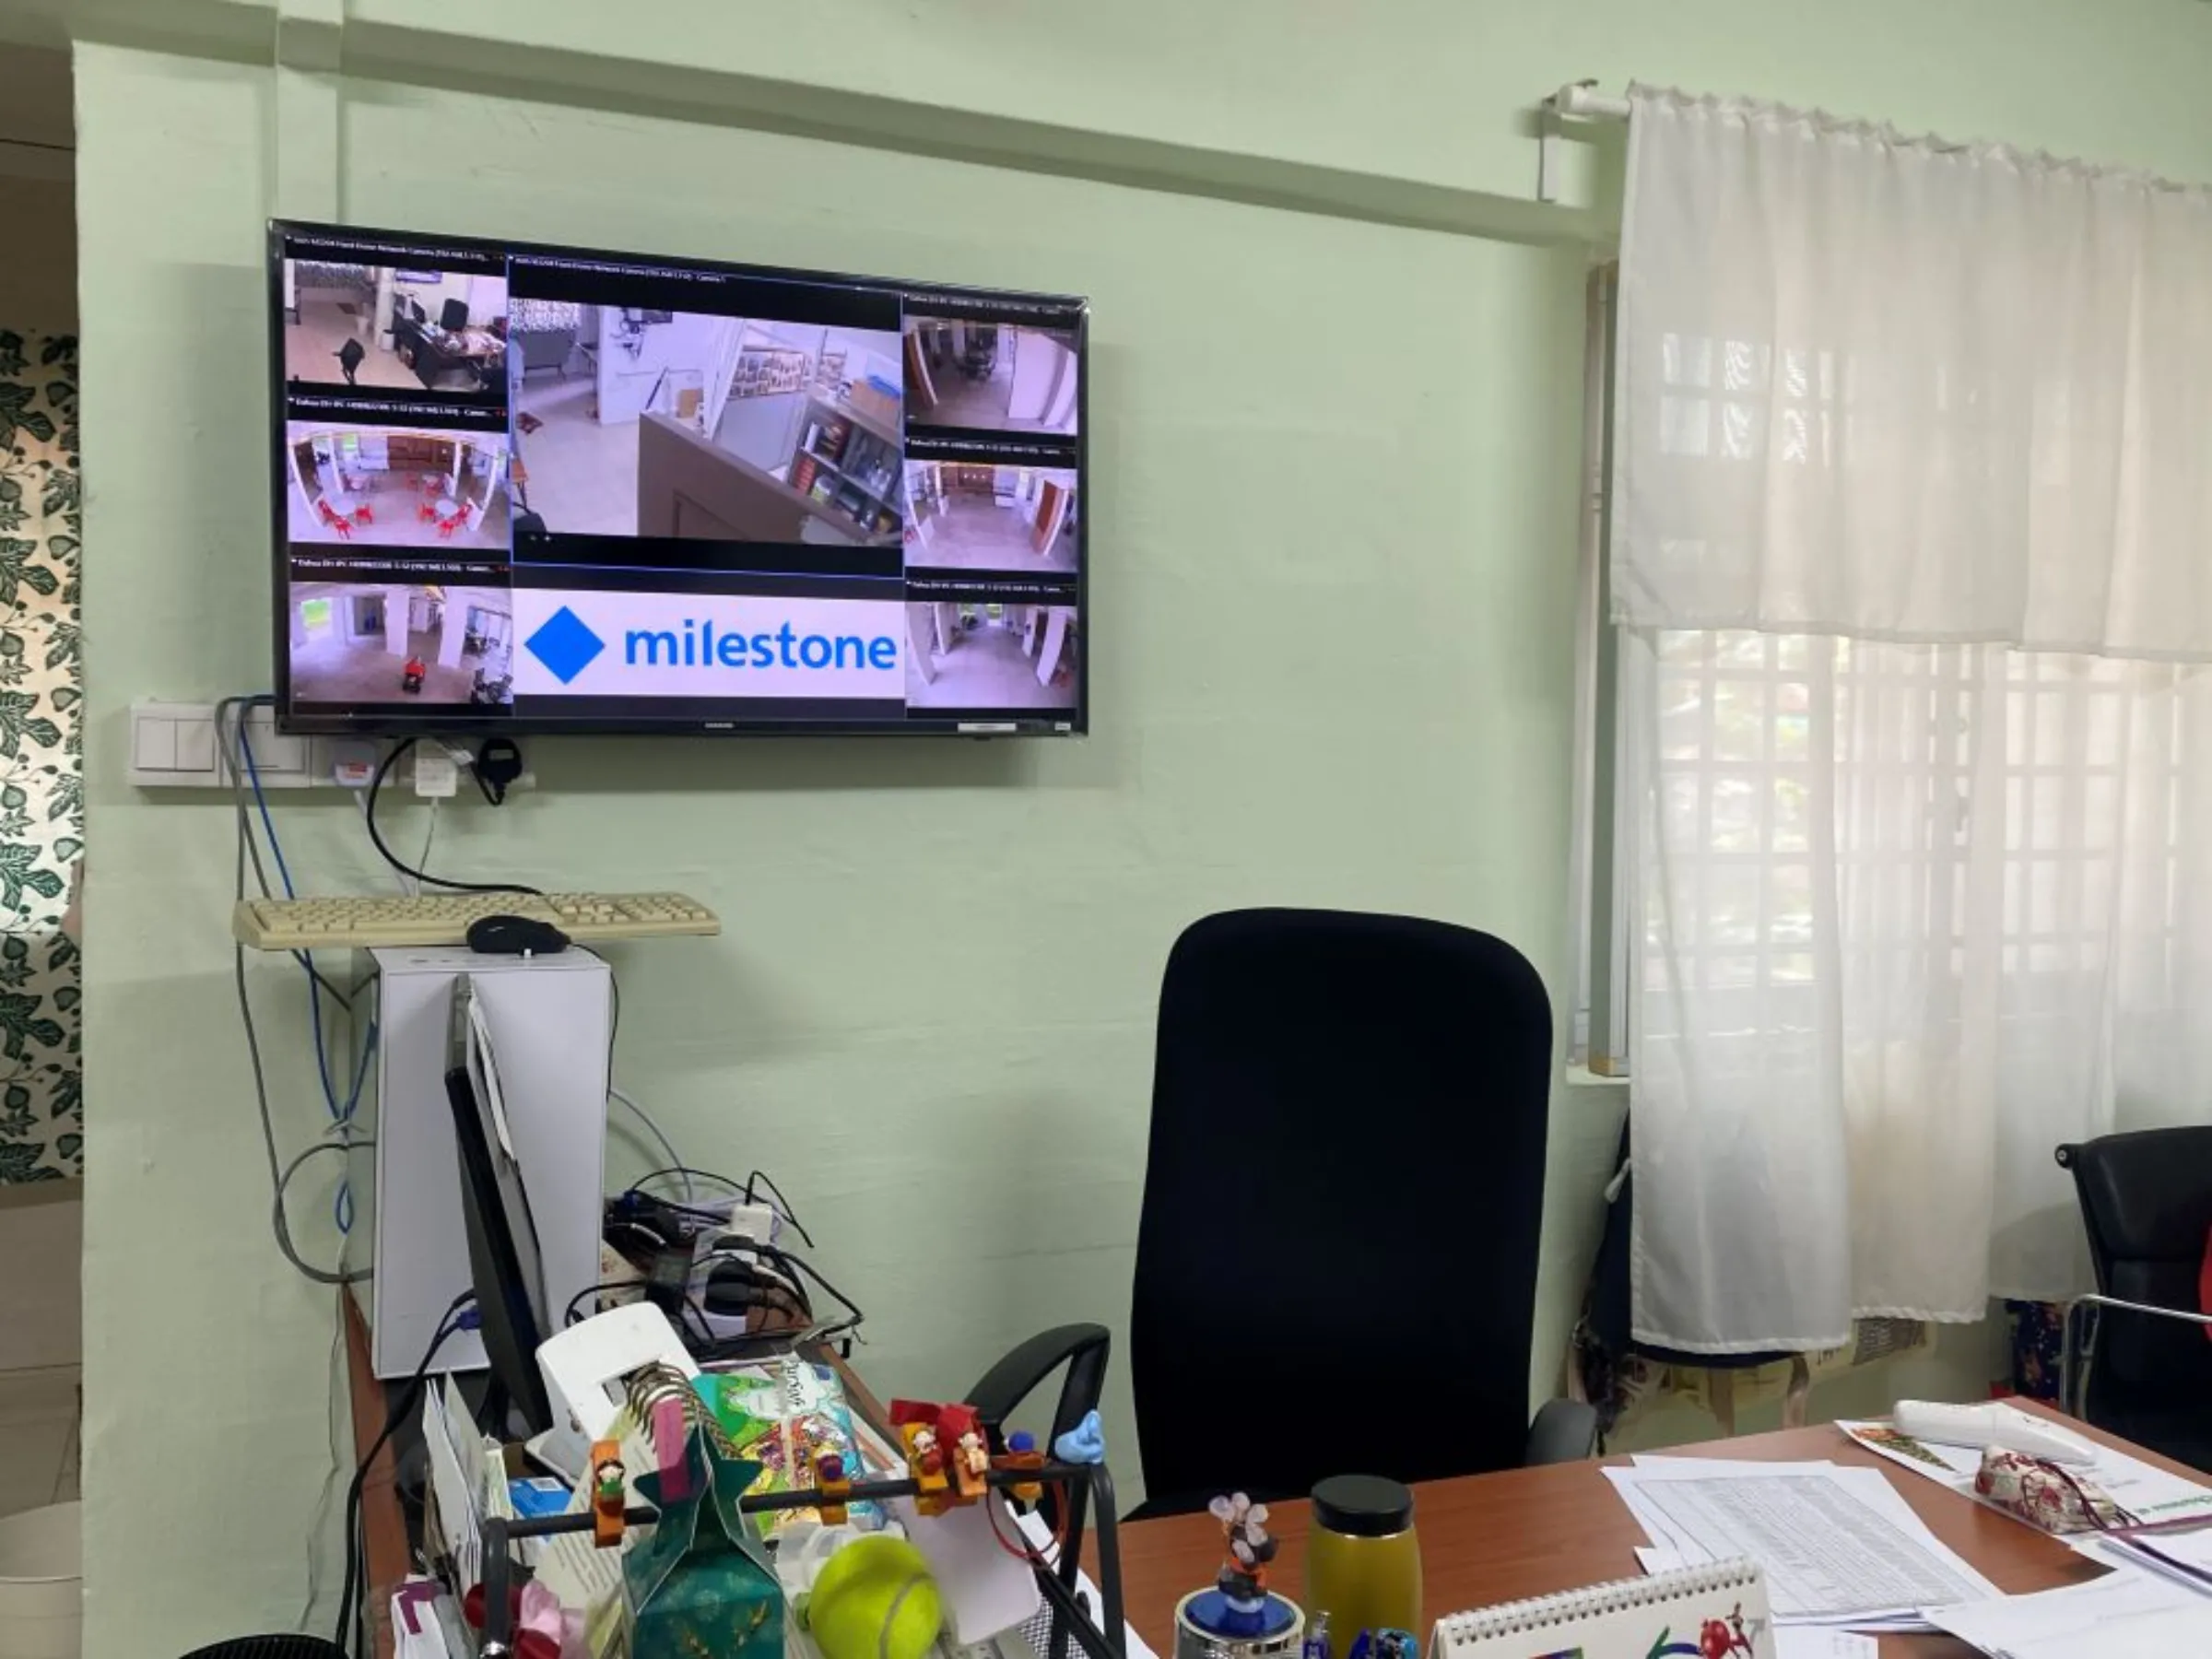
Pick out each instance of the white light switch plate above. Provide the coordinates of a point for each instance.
(175, 746)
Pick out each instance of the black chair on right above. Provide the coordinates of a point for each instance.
(1336, 1258)
(2138, 1363)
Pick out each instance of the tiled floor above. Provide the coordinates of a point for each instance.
(973, 533)
(310, 348)
(335, 670)
(584, 476)
(398, 524)
(985, 669)
(38, 1438)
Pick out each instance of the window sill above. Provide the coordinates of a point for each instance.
(1581, 1077)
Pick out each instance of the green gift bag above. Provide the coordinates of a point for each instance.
(702, 1585)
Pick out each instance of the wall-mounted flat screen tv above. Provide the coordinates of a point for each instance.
(530, 488)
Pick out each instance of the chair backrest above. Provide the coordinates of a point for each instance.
(1337, 1260)
(2147, 1205)
(454, 317)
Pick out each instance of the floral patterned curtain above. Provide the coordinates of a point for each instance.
(42, 758)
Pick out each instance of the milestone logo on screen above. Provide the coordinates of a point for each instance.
(611, 644)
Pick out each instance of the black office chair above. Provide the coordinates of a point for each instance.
(284, 1646)
(1337, 1261)
(453, 315)
(2144, 1371)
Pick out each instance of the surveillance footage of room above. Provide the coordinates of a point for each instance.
(991, 377)
(969, 516)
(376, 642)
(674, 423)
(396, 486)
(391, 328)
(978, 655)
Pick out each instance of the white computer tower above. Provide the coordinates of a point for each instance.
(548, 1020)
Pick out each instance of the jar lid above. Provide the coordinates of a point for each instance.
(1362, 1506)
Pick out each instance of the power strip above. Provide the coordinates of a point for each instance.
(176, 745)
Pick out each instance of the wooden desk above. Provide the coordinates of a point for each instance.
(386, 1528)
(1491, 1538)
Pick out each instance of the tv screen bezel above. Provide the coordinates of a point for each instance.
(1075, 723)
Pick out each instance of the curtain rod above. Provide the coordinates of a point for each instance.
(1583, 98)
(1580, 99)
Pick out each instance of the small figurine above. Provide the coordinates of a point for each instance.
(1395, 1644)
(609, 1493)
(917, 1426)
(830, 1480)
(971, 1453)
(1243, 1580)
(1020, 1454)
(1316, 1645)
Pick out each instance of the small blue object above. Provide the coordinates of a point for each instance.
(1218, 1616)
(1021, 1442)
(537, 1495)
(1085, 1444)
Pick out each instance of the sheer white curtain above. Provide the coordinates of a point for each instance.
(1912, 555)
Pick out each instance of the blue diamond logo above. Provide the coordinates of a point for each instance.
(565, 645)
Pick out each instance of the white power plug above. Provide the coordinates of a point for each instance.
(436, 776)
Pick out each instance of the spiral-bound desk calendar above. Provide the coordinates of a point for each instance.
(1717, 1612)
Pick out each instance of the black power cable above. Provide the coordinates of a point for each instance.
(353, 1593)
(376, 839)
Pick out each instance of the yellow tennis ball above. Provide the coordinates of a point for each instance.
(874, 1599)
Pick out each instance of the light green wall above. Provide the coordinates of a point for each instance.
(1333, 470)
(1332, 520)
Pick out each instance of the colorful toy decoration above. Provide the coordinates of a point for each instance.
(836, 1491)
(971, 1453)
(1243, 1580)
(1021, 1453)
(609, 1493)
(917, 1426)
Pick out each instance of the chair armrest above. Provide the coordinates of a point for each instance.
(1564, 1432)
(1081, 1347)
(2078, 1350)
(2135, 1307)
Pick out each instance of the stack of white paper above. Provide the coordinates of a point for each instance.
(2185, 1557)
(1839, 1546)
(2125, 1615)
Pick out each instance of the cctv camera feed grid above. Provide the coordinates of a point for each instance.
(566, 490)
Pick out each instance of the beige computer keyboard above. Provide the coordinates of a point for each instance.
(444, 918)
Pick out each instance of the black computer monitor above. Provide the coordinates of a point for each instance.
(503, 1259)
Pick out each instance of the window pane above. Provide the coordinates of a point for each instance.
(1681, 718)
(1739, 720)
(1732, 905)
(1735, 814)
(1792, 820)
